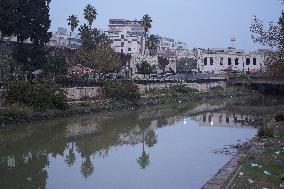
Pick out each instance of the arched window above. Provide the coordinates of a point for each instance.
(236, 61)
(248, 61)
(229, 61)
(254, 61)
(211, 61)
(205, 61)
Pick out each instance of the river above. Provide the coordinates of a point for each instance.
(167, 147)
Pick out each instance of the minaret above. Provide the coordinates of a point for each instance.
(234, 41)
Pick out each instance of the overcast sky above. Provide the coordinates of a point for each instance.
(200, 23)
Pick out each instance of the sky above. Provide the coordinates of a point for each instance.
(199, 23)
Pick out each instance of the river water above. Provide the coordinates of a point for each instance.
(165, 147)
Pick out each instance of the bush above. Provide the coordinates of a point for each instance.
(266, 132)
(181, 88)
(279, 116)
(39, 94)
(216, 88)
(120, 90)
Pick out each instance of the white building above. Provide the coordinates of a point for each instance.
(126, 36)
(61, 38)
(217, 60)
(170, 48)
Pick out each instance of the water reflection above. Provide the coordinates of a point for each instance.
(26, 154)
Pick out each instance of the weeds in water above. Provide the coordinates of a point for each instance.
(266, 132)
(279, 116)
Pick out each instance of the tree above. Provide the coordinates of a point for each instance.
(144, 68)
(73, 22)
(186, 64)
(103, 59)
(163, 62)
(90, 14)
(91, 38)
(147, 25)
(152, 44)
(274, 38)
(56, 64)
(27, 20)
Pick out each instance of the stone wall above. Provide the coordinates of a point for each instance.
(78, 93)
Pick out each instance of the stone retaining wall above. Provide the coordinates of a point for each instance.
(78, 93)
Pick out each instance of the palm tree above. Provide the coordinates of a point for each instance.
(73, 22)
(147, 25)
(90, 14)
(152, 44)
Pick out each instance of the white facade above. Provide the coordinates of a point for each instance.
(219, 60)
(126, 36)
(62, 38)
(170, 48)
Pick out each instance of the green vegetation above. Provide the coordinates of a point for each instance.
(38, 94)
(121, 90)
(56, 64)
(144, 68)
(147, 25)
(217, 88)
(73, 22)
(181, 88)
(163, 62)
(274, 38)
(279, 116)
(152, 44)
(265, 132)
(186, 64)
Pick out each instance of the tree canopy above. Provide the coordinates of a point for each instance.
(152, 44)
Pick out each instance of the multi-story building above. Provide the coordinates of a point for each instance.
(126, 36)
(170, 48)
(218, 60)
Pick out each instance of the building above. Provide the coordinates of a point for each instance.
(170, 48)
(126, 36)
(62, 39)
(218, 60)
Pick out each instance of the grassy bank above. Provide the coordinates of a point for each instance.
(17, 114)
(262, 165)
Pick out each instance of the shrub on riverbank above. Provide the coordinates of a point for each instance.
(279, 116)
(124, 90)
(266, 132)
(180, 88)
(216, 88)
(39, 94)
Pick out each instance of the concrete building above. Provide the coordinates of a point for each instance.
(61, 38)
(217, 60)
(170, 48)
(126, 36)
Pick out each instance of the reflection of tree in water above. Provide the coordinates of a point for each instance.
(71, 157)
(87, 168)
(151, 138)
(144, 159)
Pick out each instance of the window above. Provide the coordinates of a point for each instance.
(205, 61)
(229, 61)
(122, 36)
(129, 49)
(247, 61)
(121, 50)
(254, 61)
(236, 61)
(211, 61)
(122, 44)
(222, 61)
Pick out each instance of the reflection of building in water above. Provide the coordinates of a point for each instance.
(221, 119)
